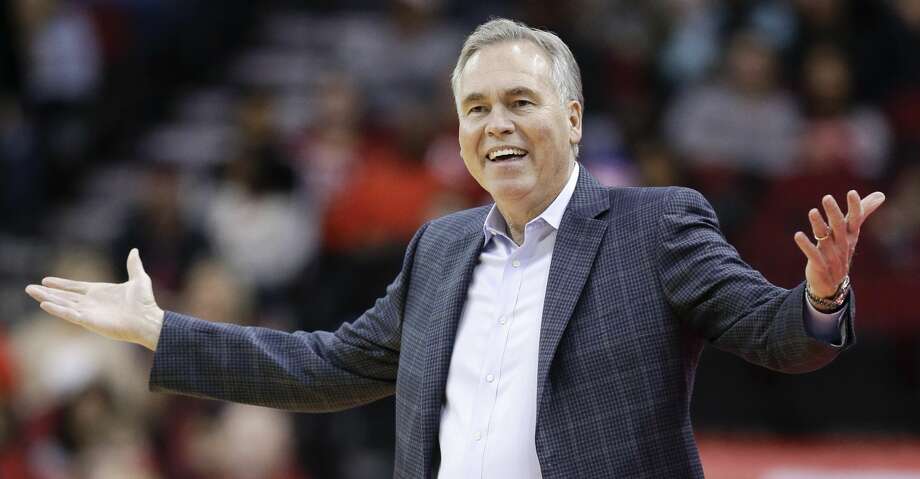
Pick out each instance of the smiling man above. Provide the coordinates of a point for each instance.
(553, 334)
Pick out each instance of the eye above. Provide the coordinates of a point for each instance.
(521, 103)
(476, 109)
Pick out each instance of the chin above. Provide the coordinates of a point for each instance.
(510, 189)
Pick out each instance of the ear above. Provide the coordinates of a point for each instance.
(574, 116)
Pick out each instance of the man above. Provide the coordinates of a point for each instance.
(554, 334)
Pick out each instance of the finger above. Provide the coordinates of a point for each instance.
(64, 295)
(34, 292)
(135, 267)
(66, 284)
(835, 218)
(871, 203)
(62, 312)
(854, 212)
(818, 227)
(37, 293)
(63, 298)
(810, 250)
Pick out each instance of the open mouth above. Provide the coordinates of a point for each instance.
(505, 153)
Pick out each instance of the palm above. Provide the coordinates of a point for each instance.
(105, 306)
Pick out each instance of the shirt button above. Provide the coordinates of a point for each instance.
(490, 378)
(502, 320)
(516, 263)
(477, 435)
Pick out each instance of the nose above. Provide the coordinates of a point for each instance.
(499, 124)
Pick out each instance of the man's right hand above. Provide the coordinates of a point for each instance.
(125, 311)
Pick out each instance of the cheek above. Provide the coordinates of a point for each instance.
(469, 144)
(548, 139)
(472, 166)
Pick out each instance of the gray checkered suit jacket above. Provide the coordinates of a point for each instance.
(641, 279)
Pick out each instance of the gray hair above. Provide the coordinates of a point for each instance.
(565, 74)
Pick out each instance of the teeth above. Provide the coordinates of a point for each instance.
(506, 151)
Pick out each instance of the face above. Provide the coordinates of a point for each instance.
(751, 65)
(516, 135)
(827, 76)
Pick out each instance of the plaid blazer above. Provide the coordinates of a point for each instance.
(640, 280)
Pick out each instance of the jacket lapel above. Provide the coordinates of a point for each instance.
(577, 242)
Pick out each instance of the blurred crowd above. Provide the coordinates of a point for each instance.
(271, 161)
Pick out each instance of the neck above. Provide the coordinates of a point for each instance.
(520, 211)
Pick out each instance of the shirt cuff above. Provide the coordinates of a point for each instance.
(825, 327)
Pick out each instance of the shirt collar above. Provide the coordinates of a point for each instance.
(552, 215)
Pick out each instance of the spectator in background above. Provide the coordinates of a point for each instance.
(63, 76)
(839, 135)
(159, 225)
(334, 144)
(343, 154)
(64, 60)
(259, 225)
(743, 121)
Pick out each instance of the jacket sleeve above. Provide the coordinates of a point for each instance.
(729, 303)
(304, 371)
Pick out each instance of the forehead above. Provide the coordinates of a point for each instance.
(505, 65)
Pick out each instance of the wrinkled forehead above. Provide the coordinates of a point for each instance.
(505, 65)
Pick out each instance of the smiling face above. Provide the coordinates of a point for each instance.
(516, 136)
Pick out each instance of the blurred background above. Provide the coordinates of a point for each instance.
(272, 159)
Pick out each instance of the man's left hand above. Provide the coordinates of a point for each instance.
(829, 260)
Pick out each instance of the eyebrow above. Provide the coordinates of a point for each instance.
(521, 91)
(473, 97)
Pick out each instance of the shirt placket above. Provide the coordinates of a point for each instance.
(490, 374)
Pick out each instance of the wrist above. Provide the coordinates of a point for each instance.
(831, 303)
(153, 325)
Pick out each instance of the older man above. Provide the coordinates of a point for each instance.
(552, 334)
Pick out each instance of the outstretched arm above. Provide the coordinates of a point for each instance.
(734, 306)
(306, 371)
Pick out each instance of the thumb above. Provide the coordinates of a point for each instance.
(135, 267)
(871, 203)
